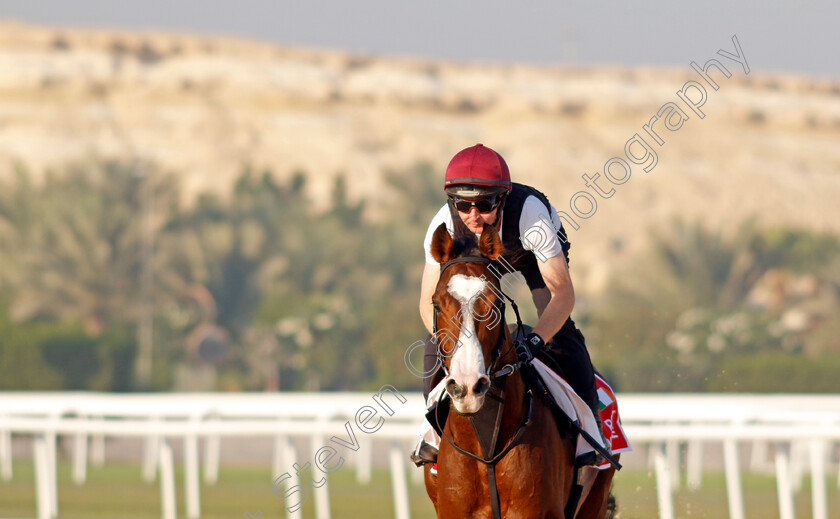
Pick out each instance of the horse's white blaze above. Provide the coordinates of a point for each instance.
(467, 363)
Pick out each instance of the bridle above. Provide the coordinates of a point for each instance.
(491, 460)
(531, 380)
(507, 369)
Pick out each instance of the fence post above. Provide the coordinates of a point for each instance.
(322, 493)
(663, 482)
(212, 453)
(363, 460)
(399, 485)
(733, 479)
(672, 453)
(289, 456)
(212, 449)
(51, 439)
(797, 463)
(818, 495)
(42, 477)
(784, 488)
(279, 456)
(80, 443)
(191, 477)
(694, 465)
(167, 481)
(5, 454)
(97, 449)
(151, 453)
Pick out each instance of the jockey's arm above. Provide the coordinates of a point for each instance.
(555, 273)
(431, 274)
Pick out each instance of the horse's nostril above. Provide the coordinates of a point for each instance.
(454, 389)
(481, 386)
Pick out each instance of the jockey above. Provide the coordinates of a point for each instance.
(479, 191)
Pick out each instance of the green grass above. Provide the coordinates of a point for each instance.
(116, 491)
(636, 494)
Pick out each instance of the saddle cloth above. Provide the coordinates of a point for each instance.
(610, 419)
(571, 404)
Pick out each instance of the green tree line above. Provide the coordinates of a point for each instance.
(305, 297)
(750, 310)
(268, 287)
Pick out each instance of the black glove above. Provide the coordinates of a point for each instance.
(529, 346)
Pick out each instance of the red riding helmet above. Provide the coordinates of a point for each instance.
(477, 171)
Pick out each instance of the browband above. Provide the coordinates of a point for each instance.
(466, 259)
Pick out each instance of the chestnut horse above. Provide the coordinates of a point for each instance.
(501, 452)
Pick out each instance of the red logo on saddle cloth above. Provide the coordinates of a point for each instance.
(610, 420)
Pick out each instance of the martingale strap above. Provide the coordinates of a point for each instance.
(487, 423)
(495, 504)
(511, 444)
(491, 423)
(491, 461)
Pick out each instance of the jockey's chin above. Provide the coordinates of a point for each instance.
(475, 221)
(476, 227)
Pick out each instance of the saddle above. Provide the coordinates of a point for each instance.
(571, 414)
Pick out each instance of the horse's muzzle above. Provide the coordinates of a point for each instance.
(468, 397)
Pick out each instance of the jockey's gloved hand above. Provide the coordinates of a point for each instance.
(529, 346)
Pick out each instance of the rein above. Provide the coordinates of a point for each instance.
(511, 444)
(491, 460)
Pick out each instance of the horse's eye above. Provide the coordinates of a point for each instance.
(436, 304)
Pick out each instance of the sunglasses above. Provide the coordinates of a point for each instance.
(484, 205)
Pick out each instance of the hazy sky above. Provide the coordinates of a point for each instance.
(775, 36)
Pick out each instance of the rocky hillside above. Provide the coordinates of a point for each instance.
(204, 107)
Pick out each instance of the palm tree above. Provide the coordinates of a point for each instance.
(690, 266)
(77, 240)
(76, 245)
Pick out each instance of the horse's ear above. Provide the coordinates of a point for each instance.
(490, 244)
(441, 244)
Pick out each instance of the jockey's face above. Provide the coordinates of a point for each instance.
(475, 220)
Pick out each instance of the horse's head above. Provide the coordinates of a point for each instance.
(469, 326)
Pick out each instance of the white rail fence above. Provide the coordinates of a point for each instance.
(804, 431)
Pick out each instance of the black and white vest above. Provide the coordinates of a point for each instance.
(521, 259)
